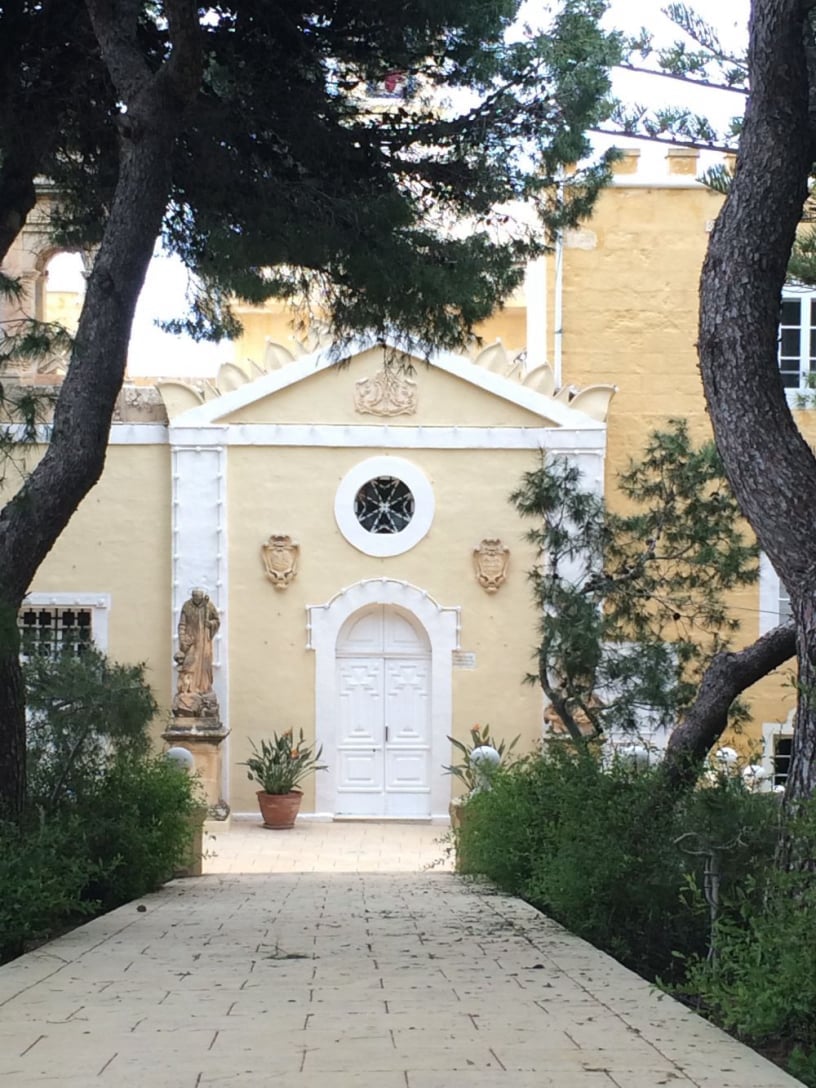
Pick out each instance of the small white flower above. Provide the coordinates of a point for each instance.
(727, 756)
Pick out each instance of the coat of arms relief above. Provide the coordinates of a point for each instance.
(280, 556)
(388, 393)
(491, 560)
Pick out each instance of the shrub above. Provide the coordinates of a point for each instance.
(761, 984)
(605, 851)
(121, 839)
(43, 879)
(135, 826)
(107, 821)
(83, 710)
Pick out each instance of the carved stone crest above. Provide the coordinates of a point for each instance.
(388, 393)
(280, 559)
(491, 560)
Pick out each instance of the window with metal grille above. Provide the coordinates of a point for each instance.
(384, 505)
(782, 753)
(51, 630)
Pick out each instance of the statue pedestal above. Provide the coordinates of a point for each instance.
(202, 738)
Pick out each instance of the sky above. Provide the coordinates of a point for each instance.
(728, 17)
(153, 352)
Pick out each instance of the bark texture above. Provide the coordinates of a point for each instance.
(769, 464)
(30, 523)
(728, 675)
(12, 709)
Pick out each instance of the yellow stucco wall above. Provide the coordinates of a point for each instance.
(64, 307)
(274, 322)
(630, 309)
(118, 542)
(292, 491)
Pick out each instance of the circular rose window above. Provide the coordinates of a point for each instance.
(384, 505)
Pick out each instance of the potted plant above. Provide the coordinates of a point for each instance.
(475, 772)
(278, 766)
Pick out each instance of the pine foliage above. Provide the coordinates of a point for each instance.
(359, 159)
(632, 600)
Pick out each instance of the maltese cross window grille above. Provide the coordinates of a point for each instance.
(384, 505)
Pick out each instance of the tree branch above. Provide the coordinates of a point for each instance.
(726, 677)
(668, 141)
(115, 24)
(694, 80)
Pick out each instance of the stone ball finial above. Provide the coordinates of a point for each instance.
(180, 758)
(484, 760)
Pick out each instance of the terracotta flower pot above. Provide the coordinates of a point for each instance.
(279, 810)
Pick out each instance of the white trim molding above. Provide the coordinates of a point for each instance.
(387, 436)
(442, 626)
(772, 596)
(384, 544)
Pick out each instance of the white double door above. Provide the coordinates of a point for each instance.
(384, 722)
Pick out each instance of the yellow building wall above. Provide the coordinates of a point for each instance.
(630, 309)
(273, 322)
(630, 319)
(118, 542)
(64, 308)
(293, 491)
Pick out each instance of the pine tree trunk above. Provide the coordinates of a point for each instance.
(802, 776)
(12, 726)
(31, 522)
(770, 466)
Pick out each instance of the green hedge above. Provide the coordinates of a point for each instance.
(126, 835)
(105, 820)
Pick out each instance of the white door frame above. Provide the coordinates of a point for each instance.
(442, 626)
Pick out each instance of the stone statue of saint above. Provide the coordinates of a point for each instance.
(198, 624)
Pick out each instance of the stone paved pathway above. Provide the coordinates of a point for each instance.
(320, 847)
(365, 980)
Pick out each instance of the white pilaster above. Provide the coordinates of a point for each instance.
(199, 553)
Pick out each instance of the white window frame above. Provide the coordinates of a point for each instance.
(807, 339)
(97, 603)
(384, 544)
(774, 602)
(771, 731)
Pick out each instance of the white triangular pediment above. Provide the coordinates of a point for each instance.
(550, 410)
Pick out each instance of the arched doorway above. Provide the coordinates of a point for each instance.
(383, 736)
(383, 658)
